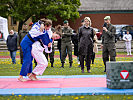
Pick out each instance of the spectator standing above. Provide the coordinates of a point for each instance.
(108, 41)
(21, 35)
(95, 48)
(58, 30)
(66, 44)
(12, 45)
(86, 36)
(128, 38)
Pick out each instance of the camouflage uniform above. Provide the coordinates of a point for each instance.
(66, 45)
(108, 41)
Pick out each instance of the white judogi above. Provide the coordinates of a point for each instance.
(37, 53)
(128, 38)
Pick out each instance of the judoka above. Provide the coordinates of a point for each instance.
(36, 33)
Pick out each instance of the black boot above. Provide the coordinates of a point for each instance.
(82, 71)
(52, 65)
(105, 69)
(70, 65)
(62, 65)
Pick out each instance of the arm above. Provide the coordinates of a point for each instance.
(19, 37)
(93, 33)
(59, 32)
(69, 33)
(102, 39)
(18, 45)
(130, 38)
(124, 38)
(45, 39)
(111, 32)
(80, 34)
(7, 42)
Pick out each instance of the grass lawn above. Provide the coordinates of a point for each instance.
(9, 69)
(56, 53)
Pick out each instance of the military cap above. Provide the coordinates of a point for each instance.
(65, 22)
(107, 17)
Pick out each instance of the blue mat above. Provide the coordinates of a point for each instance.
(65, 91)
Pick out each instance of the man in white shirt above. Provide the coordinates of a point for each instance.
(127, 38)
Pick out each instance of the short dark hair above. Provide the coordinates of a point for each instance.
(24, 24)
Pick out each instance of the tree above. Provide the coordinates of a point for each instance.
(22, 10)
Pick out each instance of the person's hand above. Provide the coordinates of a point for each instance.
(105, 29)
(127, 40)
(42, 28)
(55, 36)
(19, 48)
(49, 45)
(101, 46)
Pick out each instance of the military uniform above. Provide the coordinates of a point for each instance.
(66, 45)
(21, 35)
(108, 41)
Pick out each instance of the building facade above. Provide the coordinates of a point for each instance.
(121, 12)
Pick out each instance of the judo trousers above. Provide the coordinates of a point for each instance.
(42, 63)
(27, 61)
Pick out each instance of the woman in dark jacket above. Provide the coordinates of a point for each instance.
(12, 45)
(86, 36)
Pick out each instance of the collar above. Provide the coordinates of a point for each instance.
(87, 27)
(108, 25)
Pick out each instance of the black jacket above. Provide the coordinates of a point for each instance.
(86, 36)
(75, 42)
(12, 42)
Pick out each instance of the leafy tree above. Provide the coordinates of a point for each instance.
(22, 10)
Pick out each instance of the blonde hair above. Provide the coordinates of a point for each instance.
(88, 18)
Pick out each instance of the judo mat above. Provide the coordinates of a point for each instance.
(59, 85)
